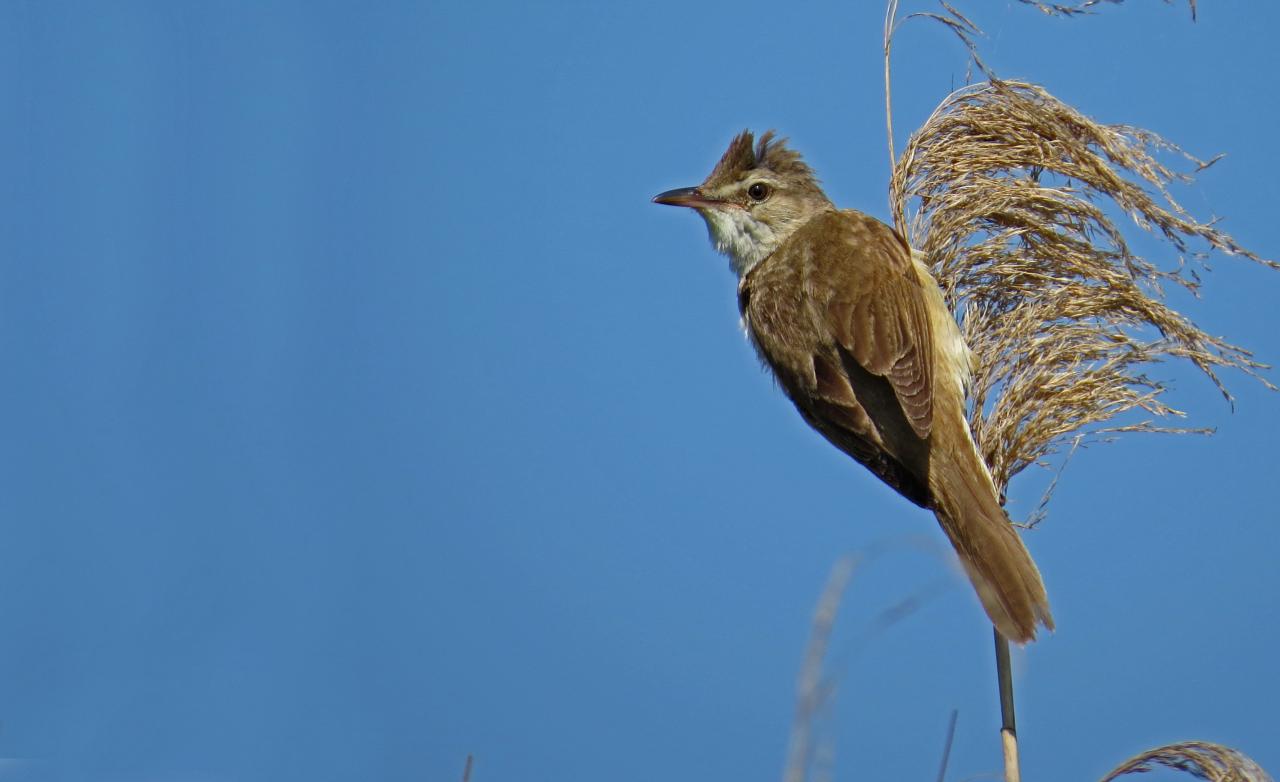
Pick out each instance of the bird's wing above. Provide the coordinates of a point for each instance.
(838, 312)
(876, 308)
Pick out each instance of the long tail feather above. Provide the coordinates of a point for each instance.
(999, 565)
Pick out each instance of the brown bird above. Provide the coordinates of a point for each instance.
(857, 333)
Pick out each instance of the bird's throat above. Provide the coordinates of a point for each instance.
(739, 235)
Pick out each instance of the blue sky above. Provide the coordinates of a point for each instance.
(362, 413)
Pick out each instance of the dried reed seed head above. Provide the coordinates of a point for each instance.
(1062, 9)
(1201, 759)
(1005, 183)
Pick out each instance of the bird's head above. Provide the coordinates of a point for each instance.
(757, 196)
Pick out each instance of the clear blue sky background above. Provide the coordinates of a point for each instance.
(360, 411)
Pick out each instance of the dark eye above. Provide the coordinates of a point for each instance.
(758, 191)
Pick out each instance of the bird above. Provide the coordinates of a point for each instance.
(856, 332)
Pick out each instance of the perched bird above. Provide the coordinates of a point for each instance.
(857, 333)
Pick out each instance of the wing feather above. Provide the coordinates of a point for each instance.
(876, 308)
(839, 314)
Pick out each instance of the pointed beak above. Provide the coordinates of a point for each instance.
(686, 196)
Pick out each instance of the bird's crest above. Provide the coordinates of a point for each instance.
(771, 153)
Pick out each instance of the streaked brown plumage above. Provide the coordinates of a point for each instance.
(856, 332)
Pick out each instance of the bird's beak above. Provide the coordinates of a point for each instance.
(687, 196)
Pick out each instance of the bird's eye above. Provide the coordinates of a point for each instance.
(759, 191)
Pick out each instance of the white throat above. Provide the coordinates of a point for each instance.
(740, 236)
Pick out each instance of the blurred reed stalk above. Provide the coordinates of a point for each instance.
(1009, 194)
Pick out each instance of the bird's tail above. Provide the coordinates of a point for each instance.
(998, 564)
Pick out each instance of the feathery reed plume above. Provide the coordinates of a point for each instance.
(1201, 759)
(1060, 9)
(809, 754)
(812, 691)
(1002, 190)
